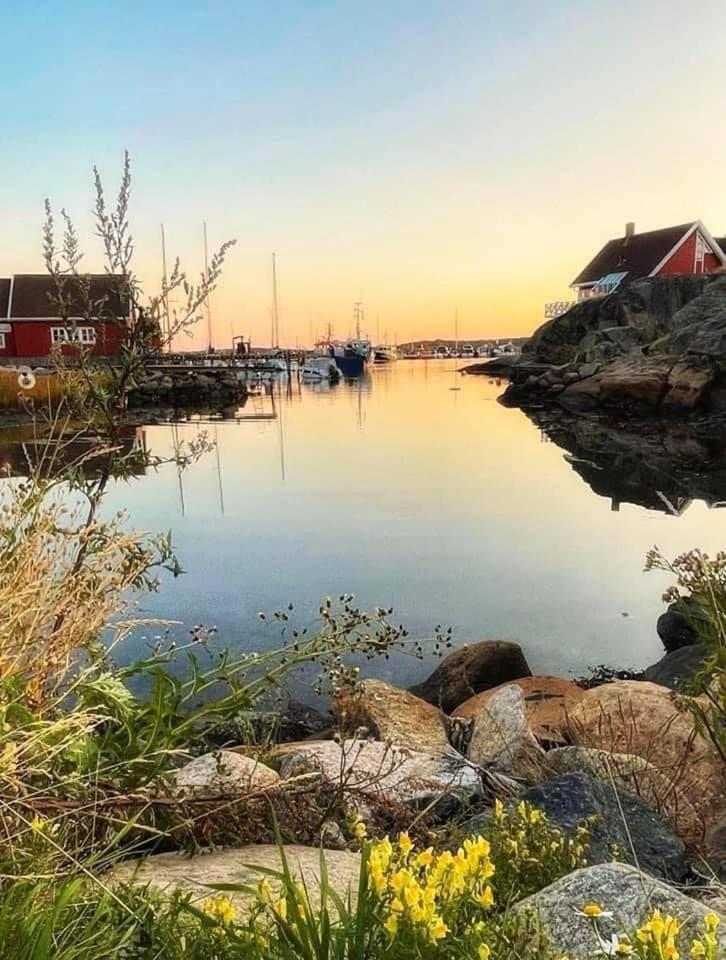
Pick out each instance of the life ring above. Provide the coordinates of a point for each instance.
(26, 378)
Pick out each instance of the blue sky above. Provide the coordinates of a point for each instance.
(420, 155)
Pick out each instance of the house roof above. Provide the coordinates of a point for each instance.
(637, 255)
(721, 241)
(33, 297)
(4, 296)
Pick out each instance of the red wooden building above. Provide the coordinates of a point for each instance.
(30, 327)
(687, 248)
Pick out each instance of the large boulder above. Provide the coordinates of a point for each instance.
(167, 872)
(622, 828)
(675, 668)
(632, 716)
(501, 738)
(471, 669)
(223, 773)
(636, 776)
(392, 715)
(380, 772)
(651, 308)
(676, 626)
(699, 327)
(688, 385)
(629, 893)
(547, 703)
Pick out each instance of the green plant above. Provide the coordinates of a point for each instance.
(700, 590)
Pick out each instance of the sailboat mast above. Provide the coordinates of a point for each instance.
(206, 280)
(275, 317)
(166, 326)
(456, 330)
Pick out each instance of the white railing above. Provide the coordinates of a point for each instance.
(557, 308)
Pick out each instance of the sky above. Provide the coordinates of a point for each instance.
(424, 157)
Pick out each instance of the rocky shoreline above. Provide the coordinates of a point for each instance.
(654, 347)
(621, 758)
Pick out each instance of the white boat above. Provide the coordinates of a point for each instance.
(317, 369)
(504, 350)
(441, 353)
(468, 352)
(384, 353)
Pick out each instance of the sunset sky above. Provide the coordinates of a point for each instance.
(417, 155)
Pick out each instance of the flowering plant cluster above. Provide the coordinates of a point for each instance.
(661, 937)
(529, 853)
(427, 897)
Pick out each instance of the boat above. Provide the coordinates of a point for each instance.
(384, 353)
(468, 352)
(504, 350)
(317, 369)
(441, 353)
(353, 354)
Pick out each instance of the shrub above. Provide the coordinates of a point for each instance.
(701, 580)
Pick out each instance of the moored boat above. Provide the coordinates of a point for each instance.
(384, 354)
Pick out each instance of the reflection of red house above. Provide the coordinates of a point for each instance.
(685, 249)
(29, 324)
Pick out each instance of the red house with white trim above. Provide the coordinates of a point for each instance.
(685, 249)
(30, 327)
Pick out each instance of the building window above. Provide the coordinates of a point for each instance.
(85, 335)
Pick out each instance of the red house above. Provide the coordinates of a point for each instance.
(30, 326)
(685, 249)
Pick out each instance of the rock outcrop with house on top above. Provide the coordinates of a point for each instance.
(655, 346)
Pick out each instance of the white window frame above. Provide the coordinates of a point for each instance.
(702, 249)
(83, 335)
(2, 341)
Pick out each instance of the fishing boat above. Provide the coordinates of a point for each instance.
(384, 353)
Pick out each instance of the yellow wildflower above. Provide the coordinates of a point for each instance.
(437, 930)
(483, 952)
(425, 858)
(391, 924)
(486, 897)
(404, 843)
(220, 908)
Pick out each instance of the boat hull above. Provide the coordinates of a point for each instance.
(351, 366)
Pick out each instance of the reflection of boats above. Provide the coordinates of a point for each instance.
(384, 354)
(317, 369)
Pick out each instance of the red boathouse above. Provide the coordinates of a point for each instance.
(685, 249)
(29, 328)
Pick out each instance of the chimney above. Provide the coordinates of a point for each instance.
(629, 230)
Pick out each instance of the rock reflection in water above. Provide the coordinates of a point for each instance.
(659, 465)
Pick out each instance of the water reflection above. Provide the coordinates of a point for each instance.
(440, 503)
(655, 464)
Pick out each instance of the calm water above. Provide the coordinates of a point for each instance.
(412, 494)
